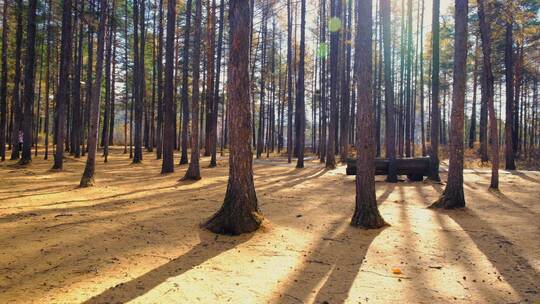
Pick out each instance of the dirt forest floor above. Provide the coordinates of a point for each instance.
(136, 237)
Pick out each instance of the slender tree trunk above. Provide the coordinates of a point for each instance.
(3, 83)
(509, 73)
(435, 112)
(300, 95)
(193, 172)
(389, 92)
(239, 213)
(29, 83)
(323, 53)
(185, 94)
(472, 130)
(168, 93)
(488, 91)
(16, 104)
(210, 77)
(87, 179)
(334, 98)
(62, 99)
(109, 84)
(213, 161)
(453, 195)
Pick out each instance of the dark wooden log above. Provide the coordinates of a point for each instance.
(414, 168)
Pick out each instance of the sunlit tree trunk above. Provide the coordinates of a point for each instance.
(453, 195)
(87, 179)
(366, 213)
(239, 213)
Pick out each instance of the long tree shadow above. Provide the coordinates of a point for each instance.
(513, 267)
(210, 246)
(326, 267)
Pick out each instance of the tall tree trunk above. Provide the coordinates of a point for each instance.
(16, 103)
(472, 130)
(366, 213)
(488, 90)
(453, 195)
(48, 78)
(213, 161)
(334, 97)
(323, 112)
(76, 125)
(509, 74)
(87, 178)
(193, 172)
(3, 84)
(168, 93)
(345, 87)
(29, 82)
(185, 92)
(290, 64)
(239, 213)
(390, 131)
(300, 95)
(435, 112)
(160, 124)
(138, 82)
(210, 77)
(109, 84)
(62, 99)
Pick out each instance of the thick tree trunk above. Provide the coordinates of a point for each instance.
(87, 179)
(239, 213)
(168, 93)
(366, 213)
(453, 195)
(193, 172)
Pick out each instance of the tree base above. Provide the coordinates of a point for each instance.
(227, 223)
(368, 220)
(189, 177)
(24, 162)
(87, 182)
(449, 200)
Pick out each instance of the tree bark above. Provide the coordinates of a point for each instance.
(366, 214)
(435, 112)
(509, 75)
(16, 103)
(389, 92)
(239, 213)
(300, 94)
(488, 90)
(453, 195)
(185, 92)
(3, 83)
(87, 179)
(193, 172)
(29, 83)
(168, 93)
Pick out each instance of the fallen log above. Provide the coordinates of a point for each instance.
(414, 168)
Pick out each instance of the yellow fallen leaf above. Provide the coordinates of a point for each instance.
(396, 271)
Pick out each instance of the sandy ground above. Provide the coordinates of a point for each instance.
(136, 237)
